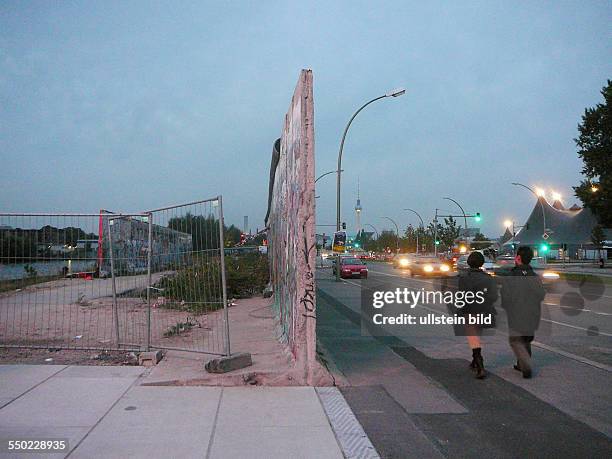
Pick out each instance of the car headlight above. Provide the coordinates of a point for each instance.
(550, 275)
(403, 262)
(428, 268)
(444, 268)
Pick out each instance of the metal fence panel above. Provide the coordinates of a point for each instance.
(115, 281)
(54, 290)
(189, 304)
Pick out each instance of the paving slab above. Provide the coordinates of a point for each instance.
(109, 371)
(17, 379)
(271, 407)
(73, 402)
(155, 422)
(266, 442)
(367, 361)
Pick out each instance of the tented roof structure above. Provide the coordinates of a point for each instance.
(505, 237)
(573, 226)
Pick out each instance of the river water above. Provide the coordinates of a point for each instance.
(45, 268)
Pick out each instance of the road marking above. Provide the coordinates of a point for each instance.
(575, 326)
(578, 309)
(553, 349)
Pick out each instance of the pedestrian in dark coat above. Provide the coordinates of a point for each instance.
(522, 295)
(481, 283)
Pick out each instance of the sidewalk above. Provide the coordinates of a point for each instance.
(103, 412)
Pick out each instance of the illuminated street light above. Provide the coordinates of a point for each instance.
(394, 93)
(594, 189)
(556, 196)
(508, 223)
(540, 192)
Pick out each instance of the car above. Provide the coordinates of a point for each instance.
(426, 266)
(490, 266)
(506, 262)
(402, 260)
(351, 267)
(452, 258)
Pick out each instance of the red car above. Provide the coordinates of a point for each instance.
(352, 267)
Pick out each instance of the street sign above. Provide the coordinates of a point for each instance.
(545, 236)
(339, 241)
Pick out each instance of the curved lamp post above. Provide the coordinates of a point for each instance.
(541, 206)
(397, 232)
(394, 93)
(464, 216)
(417, 233)
(375, 230)
(327, 173)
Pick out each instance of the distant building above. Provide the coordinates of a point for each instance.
(567, 233)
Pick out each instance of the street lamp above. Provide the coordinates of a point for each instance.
(464, 219)
(394, 93)
(397, 232)
(539, 193)
(417, 233)
(375, 230)
(327, 173)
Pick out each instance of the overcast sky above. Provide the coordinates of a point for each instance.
(134, 105)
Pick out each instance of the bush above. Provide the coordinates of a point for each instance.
(197, 288)
(246, 275)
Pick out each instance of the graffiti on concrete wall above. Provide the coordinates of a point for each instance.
(291, 222)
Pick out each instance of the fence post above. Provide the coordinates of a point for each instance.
(222, 250)
(112, 266)
(149, 285)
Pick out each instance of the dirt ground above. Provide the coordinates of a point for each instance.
(79, 313)
(54, 356)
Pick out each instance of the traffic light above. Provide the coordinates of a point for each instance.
(356, 245)
(544, 247)
(343, 225)
(477, 217)
(437, 242)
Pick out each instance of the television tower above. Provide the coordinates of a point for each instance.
(358, 211)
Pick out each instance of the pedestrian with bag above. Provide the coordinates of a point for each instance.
(522, 295)
(476, 280)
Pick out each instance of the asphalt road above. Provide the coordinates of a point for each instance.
(413, 393)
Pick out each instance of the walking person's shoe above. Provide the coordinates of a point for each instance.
(473, 362)
(478, 363)
(523, 363)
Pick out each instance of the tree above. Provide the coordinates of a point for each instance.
(204, 231)
(595, 149)
(231, 236)
(408, 242)
(388, 239)
(450, 232)
(598, 237)
(366, 240)
(425, 239)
